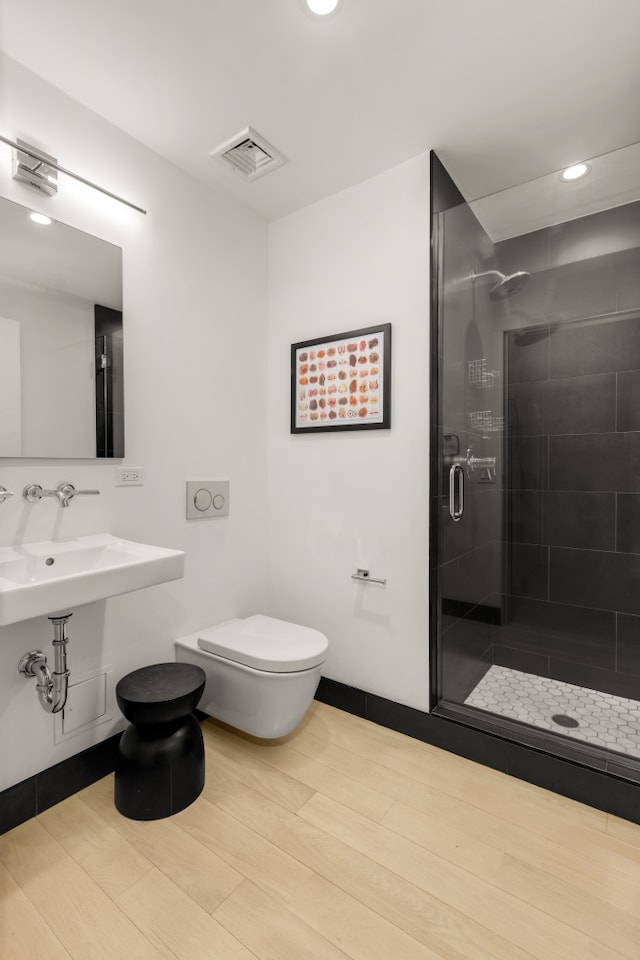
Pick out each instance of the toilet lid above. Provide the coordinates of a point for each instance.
(266, 644)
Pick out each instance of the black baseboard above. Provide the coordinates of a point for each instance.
(33, 796)
(38, 793)
(615, 788)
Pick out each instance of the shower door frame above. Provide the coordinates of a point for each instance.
(570, 758)
(437, 206)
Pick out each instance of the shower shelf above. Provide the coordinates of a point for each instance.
(479, 374)
(485, 422)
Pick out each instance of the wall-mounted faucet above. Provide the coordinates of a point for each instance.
(64, 493)
(5, 494)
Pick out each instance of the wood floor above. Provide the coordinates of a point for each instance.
(343, 840)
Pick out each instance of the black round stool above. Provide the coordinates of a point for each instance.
(160, 766)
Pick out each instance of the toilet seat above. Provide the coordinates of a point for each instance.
(265, 643)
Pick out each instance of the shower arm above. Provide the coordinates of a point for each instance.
(487, 273)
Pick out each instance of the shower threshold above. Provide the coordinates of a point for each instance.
(578, 713)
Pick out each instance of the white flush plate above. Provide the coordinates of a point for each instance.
(207, 498)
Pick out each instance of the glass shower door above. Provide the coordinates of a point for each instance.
(470, 431)
(536, 469)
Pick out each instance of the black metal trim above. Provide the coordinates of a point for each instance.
(443, 195)
(434, 420)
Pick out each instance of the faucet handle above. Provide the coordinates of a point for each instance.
(5, 494)
(32, 492)
(66, 492)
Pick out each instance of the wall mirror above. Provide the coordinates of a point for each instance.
(61, 340)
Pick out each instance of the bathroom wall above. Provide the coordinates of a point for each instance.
(195, 286)
(355, 499)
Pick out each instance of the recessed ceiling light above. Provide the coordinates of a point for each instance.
(575, 172)
(40, 218)
(322, 7)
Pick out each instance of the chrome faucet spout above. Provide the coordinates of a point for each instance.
(66, 492)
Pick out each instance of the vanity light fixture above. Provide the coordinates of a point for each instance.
(322, 7)
(575, 172)
(40, 218)
(40, 170)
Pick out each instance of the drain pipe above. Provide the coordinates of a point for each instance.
(52, 687)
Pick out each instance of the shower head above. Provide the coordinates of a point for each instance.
(506, 285)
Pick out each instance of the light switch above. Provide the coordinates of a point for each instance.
(207, 498)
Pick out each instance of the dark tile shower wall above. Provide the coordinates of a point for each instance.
(573, 501)
(109, 382)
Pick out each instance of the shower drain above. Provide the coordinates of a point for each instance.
(564, 721)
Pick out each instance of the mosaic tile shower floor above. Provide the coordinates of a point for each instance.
(603, 720)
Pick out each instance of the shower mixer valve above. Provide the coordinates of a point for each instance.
(481, 469)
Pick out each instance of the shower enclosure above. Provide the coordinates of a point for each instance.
(109, 382)
(535, 454)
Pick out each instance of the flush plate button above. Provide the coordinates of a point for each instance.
(202, 500)
(207, 498)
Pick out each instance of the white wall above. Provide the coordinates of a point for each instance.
(199, 404)
(355, 499)
(195, 379)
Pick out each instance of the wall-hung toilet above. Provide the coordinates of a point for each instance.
(262, 673)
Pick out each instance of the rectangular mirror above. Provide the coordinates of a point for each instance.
(61, 340)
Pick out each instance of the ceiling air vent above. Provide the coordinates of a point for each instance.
(249, 154)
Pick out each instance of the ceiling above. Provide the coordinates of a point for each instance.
(613, 181)
(504, 90)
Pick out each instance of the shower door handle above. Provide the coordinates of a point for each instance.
(456, 492)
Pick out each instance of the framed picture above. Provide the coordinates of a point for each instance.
(342, 382)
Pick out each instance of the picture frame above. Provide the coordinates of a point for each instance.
(342, 382)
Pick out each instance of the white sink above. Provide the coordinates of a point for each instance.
(39, 579)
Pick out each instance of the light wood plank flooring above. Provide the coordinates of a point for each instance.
(342, 841)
